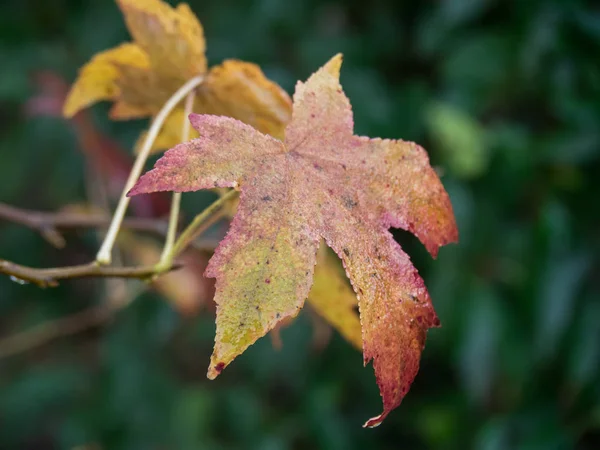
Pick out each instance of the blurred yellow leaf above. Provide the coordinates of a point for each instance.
(173, 38)
(240, 90)
(332, 297)
(102, 79)
(169, 49)
(460, 138)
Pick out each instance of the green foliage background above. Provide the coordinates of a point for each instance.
(505, 95)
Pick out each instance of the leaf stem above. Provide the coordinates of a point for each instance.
(165, 259)
(104, 254)
(200, 223)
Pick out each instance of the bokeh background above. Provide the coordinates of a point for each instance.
(505, 95)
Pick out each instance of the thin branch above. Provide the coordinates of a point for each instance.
(48, 331)
(176, 200)
(51, 277)
(104, 254)
(64, 326)
(48, 223)
(40, 220)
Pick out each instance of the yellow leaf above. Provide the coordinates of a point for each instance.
(169, 49)
(100, 79)
(173, 38)
(126, 111)
(240, 90)
(332, 297)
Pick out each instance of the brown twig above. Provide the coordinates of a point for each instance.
(51, 277)
(65, 326)
(48, 223)
(48, 331)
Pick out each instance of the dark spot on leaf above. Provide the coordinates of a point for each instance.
(267, 198)
(267, 262)
(436, 322)
(278, 315)
(346, 252)
(349, 202)
(268, 280)
(219, 367)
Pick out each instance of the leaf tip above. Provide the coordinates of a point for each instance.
(375, 421)
(72, 104)
(451, 237)
(138, 188)
(333, 65)
(195, 120)
(215, 370)
(68, 111)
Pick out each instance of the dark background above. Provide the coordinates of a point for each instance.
(506, 98)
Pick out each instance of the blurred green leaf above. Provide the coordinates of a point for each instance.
(460, 138)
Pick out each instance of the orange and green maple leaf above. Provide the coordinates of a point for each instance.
(321, 182)
(168, 49)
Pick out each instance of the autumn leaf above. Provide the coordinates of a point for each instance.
(321, 182)
(169, 49)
